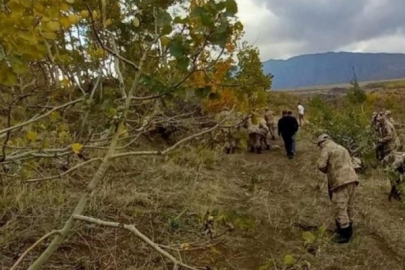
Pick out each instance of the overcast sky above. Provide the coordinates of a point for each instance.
(285, 28)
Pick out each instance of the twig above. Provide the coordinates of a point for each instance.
(31, 248)
(78, 166)
(100, 42)
(164, 152)
(34, 119)
(135, 231)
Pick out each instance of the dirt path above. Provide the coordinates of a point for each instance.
(281, 193)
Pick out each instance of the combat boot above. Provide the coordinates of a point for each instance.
(343, 235)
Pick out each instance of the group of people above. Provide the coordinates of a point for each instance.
(389, 149)
(262, 128)
(336, 162)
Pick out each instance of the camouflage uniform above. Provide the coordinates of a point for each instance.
(254, 142)
(388, 140)
(335, 161)
(265, 133)
(388, 116)
(395, 169)
(269, 117)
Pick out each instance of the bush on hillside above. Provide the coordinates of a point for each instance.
(347, 123)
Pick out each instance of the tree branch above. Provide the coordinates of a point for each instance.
(100, 42)
(136, 232)
(43, 238)
(36, 118)
(78, 166)
(164, 152)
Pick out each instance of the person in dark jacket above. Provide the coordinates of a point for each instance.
(287, 127)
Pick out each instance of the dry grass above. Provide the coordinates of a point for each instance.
(260, 197)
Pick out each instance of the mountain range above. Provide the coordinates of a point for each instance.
(334, 68)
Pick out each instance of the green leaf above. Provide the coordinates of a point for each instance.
(167, 29)
(322, 230)
(179, 20)
(176, 49)
(308, 237)
(231, 7)
(18, 66)
(164, 19)
(289, 260)
(183, 63)
(219, 39)
(203, 92)
(205, 17)
(223, 27)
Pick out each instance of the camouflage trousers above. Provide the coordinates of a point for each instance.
(255, 141)
(343, 203)
(272, 131)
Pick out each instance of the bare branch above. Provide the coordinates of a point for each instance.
(36, 118)
(164, 152)
(43, 238)
(78, 166)
(136, 232)
(100, 42)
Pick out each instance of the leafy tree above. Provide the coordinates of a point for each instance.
(81, 81)
(356, 95)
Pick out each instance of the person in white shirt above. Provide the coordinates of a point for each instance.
(301, 112)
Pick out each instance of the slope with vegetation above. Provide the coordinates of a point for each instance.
(109, 151)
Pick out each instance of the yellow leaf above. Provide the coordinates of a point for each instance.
(308, 237)
(124, 132)
(322, 230)
(55, 115)
(95, 14)
(64, 7)
(70, 1)
(65, 22)
(73, 18)
(165, 40)
(136, 22)
(77, 147)
(53, 26)
(185, 246)
(32, 136)
(84, 13)
(49, 35)
(65, 82)
(108, 22)
(289, 260)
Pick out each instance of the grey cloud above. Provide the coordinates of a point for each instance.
(310, 26)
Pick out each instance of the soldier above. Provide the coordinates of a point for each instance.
(374, 123)
(335, 161)
(227, 132)
(388, 140)
(388, 116)
(395, 169)
(255, 137)
(265, 136)
(269, 117)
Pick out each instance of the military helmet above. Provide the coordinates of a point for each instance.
(322, 138)
(387, 113)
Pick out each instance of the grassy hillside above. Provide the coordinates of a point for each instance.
(261, 206)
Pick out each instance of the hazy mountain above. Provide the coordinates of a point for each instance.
(334, 68)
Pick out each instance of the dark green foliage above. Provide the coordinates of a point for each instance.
(348, 124)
